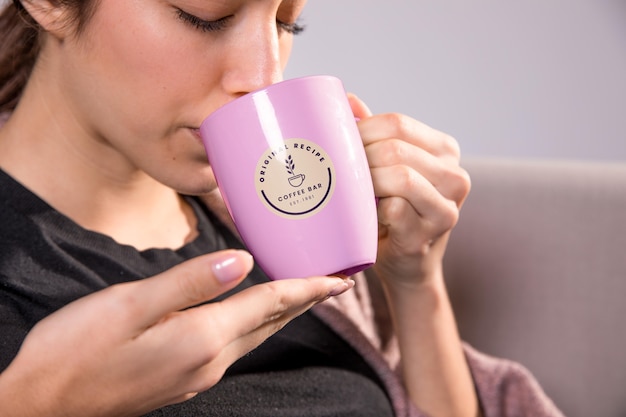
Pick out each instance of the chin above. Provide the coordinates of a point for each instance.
(200, 184)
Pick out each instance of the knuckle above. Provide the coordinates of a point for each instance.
(452, 217)
(392, 209)
(464, 180)
(207, 378)
(213, 344)
(448, 217)
(190, 288)
(399, 123)
(405, 177)
(461, 184)
(394, 153)
(212, 379)
(209, 334)
(450, 146)
(278, 303)
(122, 304)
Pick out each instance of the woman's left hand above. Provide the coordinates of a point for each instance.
(416, 175)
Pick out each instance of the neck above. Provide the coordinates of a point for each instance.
(87, 180)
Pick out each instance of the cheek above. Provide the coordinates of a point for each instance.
(144, 56)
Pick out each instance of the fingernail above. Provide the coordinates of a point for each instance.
(344, 286)
(231, 266)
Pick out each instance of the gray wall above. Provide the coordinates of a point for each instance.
(533, 78)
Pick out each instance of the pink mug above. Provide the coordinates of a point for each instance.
(291, 167)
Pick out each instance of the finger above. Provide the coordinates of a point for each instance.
(359, 108)
(188, 284)
(403, 182)
(285, 298)
(392, 152)
(251, 315)
(398, 126)
(448, 178)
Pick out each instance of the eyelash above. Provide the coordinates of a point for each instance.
(202, 25)
(291, 28)
(217, 25)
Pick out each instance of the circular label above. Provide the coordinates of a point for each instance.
(295, 179)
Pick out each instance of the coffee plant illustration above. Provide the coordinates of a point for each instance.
(295, 180)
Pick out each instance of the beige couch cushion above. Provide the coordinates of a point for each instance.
(537, 273)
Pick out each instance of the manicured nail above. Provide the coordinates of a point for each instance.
(231, 266)
(344, 286)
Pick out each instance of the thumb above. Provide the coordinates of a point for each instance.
(359, 108)
(190, 283)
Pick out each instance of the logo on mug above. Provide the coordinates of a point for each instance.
(295, 179)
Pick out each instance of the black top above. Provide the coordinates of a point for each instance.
(47, 261)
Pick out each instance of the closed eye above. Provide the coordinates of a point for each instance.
(201, 24)
(294, 28)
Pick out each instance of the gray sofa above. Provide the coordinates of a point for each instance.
(536, 270)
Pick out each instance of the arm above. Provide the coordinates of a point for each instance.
(421, 188)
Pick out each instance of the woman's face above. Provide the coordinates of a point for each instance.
(145, 73)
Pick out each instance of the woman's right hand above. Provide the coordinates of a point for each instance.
(138, 346)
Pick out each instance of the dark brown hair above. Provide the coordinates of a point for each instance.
(20, 43)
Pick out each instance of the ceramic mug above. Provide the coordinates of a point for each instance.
(291, 167)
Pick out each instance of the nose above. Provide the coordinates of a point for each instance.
(254, 61)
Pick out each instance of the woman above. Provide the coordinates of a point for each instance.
(107, 261)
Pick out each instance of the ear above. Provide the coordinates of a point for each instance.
(51, 15)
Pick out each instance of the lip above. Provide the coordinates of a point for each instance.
(196, 133)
